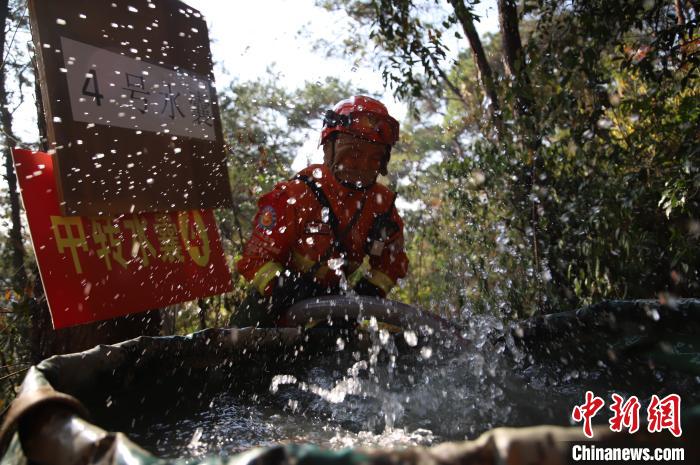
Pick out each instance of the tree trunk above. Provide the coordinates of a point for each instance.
(513, 56)
(466, 19)
(41, 121)
(526, 116)
(19, 278)
(201, 303)
(680, 14)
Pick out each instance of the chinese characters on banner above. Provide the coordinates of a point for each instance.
(662, 414)
(95, 268)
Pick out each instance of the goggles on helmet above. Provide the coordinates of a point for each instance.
(365, 124)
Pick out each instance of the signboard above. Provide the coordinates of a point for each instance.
(96, 268)
(130, 104)
(127, 93)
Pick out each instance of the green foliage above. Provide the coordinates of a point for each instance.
(590, 194)
(14, 350)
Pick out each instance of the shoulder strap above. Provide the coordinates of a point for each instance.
(390, 210)
(337, 243)
(322, 199)
(383, 227)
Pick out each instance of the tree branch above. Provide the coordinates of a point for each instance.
(680, 14)
(513, 56)
(14, 373)
(510, 35)
(448, 83)
(16, 240)
(466, 19)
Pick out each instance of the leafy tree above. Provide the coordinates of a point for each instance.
(13, 250)
(569, 144)
(14, 315)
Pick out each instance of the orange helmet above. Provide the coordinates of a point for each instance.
(363, 117)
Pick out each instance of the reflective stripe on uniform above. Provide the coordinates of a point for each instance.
(360, 270)
(381, 280)
(304, 264)
(356, 276)
(264, 275)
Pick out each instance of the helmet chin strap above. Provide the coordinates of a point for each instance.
(346, 183)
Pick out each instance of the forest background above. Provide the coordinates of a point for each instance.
(553, 164)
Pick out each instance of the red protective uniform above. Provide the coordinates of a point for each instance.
(292, 231)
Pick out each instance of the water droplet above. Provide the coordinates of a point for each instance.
(426, 352)
(60, 21)
(291, 201)
(194, 442)
(477, 177)
(310, 240)
(335, 263)
(384, 336)
(318, 174)
(373, 325)
(150, 181)
(604, 123)
(411, 338)
(281, 379)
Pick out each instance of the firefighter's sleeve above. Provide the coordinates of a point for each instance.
(388, 261)
(268, 249)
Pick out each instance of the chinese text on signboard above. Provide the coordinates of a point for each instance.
(95, 268)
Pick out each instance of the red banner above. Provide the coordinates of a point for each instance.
(96, 268)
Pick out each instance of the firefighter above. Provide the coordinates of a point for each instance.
(312, 233)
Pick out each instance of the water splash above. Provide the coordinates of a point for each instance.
(386, 392)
